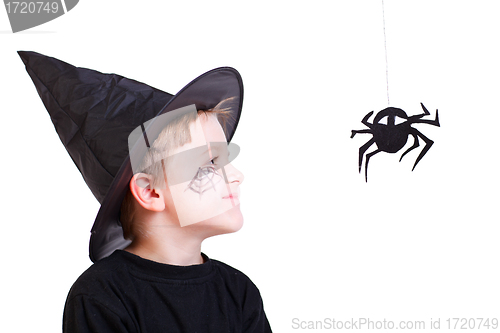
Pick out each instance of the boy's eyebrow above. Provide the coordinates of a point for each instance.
(205, 153)
(224, 150)
(184, 165)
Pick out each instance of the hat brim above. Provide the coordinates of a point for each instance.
(205, 92)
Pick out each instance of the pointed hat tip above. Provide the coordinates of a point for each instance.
(27, 55)
(24, 55)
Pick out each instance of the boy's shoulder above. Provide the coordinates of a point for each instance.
(231, 272)
(236, 279)
(99, 277)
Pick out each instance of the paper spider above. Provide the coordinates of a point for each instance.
(391, 136)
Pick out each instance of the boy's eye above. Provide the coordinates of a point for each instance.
(218, 161)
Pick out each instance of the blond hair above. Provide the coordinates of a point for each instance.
(174, 135)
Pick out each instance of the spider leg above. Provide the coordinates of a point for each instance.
(425, 109)
(354, 132)
(362, 151)
(365, 119)
(428, 145)
(367, 160)
(415, 145)
(434, 122)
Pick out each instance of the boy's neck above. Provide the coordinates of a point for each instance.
(168, 247)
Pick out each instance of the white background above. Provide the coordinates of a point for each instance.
(318, 241)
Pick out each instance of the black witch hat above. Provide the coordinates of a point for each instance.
(94, 113)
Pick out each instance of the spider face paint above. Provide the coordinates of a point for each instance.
(205, 179)
(209, 175)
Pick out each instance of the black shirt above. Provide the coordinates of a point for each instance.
(126, 293)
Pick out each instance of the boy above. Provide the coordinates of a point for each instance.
(175, 188)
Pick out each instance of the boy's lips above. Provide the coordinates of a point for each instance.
(234, 197)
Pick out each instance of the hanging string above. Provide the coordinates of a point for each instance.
(386, 62)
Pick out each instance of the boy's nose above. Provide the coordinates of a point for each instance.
(233, 175)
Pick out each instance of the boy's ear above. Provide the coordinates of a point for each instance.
(148, 197)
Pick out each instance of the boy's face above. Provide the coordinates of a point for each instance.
(203, 186)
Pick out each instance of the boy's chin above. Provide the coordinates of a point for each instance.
(228, 222)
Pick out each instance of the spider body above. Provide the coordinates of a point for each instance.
(390, 136)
